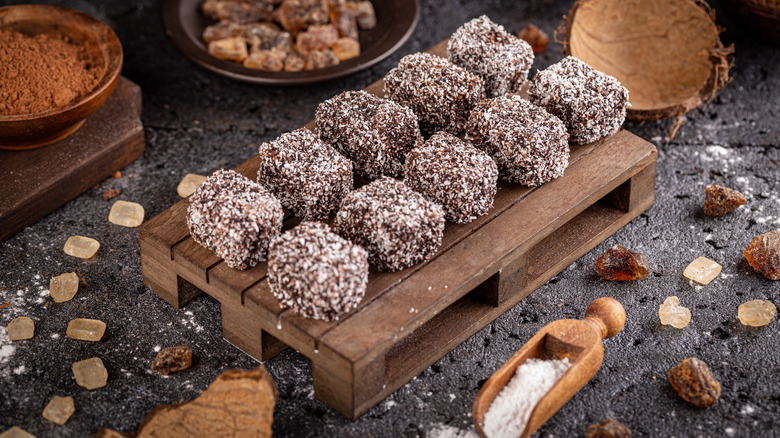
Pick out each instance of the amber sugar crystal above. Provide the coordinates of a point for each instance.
(16, 432)
(608, 428)
(189, 184)
(702, 270)
(90, 373)
(673, 314)
(536, 37)
(126, 214)
(64, 287)
(84, 329)
(719, 200)
(21, 328)
(59, 409)
(620, 264)
(81, 247)
(693, 380)
(756, 313)
(763, 254)
(172, 359)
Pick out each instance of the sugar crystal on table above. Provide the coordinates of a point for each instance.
(439, 92)
(189, 184)
(455, 174)
(81, 247)
(172, 359)
(374, 133)
(235, 217)
(620, 264)
(64, 287)
(16, 432)
(590, 103)
(317, 273)
(90, 373)
(693, 380)
(306, 174)
(488, 50)
(763, 254)
(608, 428)
(719, 200)
(535, 37)
(85, 329)
(702, 270)
(59, 409)
(529, 145)
(396, 225)
(126, 214)
(672, 313)
(21, 328)
(756, 313)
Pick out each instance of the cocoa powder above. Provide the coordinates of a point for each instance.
(42, 72)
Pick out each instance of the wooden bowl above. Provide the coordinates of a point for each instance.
(28, 131)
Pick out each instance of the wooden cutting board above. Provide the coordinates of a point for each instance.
(410, 319)
(35, 182)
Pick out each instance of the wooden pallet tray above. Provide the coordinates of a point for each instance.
(410, 319)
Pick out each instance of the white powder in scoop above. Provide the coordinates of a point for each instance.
(509, 412)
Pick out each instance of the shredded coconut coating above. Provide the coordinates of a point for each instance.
(590, 103)
(374, 133)
(529, 145)
(235, 217)
(439, 92)
(317, 273)
(485, 48)
(396, 225)
(455, 174)
(307, 175)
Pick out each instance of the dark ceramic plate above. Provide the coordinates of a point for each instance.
(396, 20)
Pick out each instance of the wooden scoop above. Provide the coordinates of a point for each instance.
(578, 340)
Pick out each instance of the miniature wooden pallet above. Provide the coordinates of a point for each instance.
(410, 319)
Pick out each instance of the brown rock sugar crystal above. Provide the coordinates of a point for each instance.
(42, 72)
(693, 380)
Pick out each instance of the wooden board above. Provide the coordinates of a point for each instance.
(36, 182)
(411, 318)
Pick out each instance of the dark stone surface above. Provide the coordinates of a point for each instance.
(197, 122)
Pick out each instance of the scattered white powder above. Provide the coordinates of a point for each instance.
(445, 431)
(747, 410)
(509, 412)
(6, 350)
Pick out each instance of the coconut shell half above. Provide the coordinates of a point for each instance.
(666, 52)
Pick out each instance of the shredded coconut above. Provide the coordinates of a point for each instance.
(510, 410)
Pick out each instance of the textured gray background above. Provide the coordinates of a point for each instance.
(196, 122)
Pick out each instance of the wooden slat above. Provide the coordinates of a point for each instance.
(193, 260)
(481, 254)
(167, 228)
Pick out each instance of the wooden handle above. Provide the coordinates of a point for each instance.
(608, 314)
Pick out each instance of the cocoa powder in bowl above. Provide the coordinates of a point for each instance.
(42, 72)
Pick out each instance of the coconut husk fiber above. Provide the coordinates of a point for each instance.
(666, 52)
